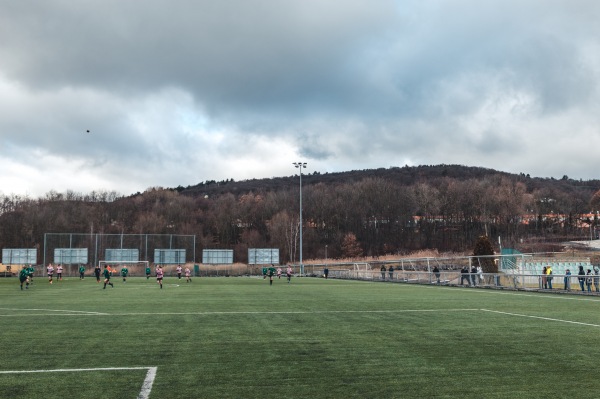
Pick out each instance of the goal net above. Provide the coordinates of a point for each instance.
(134, 268)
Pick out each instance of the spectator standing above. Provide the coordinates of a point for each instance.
(581, 274)
(464, 275)
(597, 278)
(549, 276)
(480, 274)
(544, 278)
(383, 272)
(326, 272)
(473, 275)
(391, 272)
(588, 280)
(567, 280)
(436, 273)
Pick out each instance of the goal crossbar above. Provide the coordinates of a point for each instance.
(145, 263)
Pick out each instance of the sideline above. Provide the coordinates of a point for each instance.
(246, 312)
(56, 310)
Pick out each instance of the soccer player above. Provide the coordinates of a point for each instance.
(148, 272)
(30, 271)
(279, 273)
(24, 277)
(159, 275)
(50, 270)
(107, 274)
(288, 273)
(178, 269)
(81, 271)
(59, 270)
(97, 272)
(271, 273)
(124, 273)
(188, 275)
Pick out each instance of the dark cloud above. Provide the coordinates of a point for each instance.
(345, 84)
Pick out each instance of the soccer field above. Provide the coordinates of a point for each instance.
(313, 338)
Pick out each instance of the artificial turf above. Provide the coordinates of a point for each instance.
(314, 338)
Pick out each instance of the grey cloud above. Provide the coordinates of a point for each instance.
(340, 83)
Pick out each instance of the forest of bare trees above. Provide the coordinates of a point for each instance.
(370, 213)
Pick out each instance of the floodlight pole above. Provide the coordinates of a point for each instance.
(300, 165)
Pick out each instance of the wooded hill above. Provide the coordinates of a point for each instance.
(367, 212)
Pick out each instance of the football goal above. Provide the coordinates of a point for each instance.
(362, 267)
(134, 268)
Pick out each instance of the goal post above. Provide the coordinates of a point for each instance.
(361, 267)
(134, 268)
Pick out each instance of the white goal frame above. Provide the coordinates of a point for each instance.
(358, 267)
(101, 263)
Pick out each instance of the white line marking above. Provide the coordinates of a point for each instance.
(540, 318)
(54, 315)
(55, 310)
(293, 312)
(146, 385)
(247, 312)
(74, 370)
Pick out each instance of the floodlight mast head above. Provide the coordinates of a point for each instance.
(300, 165)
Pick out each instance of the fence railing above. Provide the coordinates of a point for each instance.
(588, 283)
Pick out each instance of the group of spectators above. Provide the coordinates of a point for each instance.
(390, 271)
(472, 277)
(588, 280)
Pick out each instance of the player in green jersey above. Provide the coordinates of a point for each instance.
(148, 272)
(107, 277)
(24, 278)
(81, 272)
(30, 271)
(124, 273)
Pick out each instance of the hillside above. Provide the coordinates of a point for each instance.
(406, 176)
(363, 212)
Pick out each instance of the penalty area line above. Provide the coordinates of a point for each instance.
(541, 318)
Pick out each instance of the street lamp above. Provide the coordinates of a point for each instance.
(300, 165)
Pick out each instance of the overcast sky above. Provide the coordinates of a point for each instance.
(180, 92)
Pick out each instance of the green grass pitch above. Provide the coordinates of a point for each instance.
(313, 338)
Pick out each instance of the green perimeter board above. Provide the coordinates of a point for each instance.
(241, 338)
